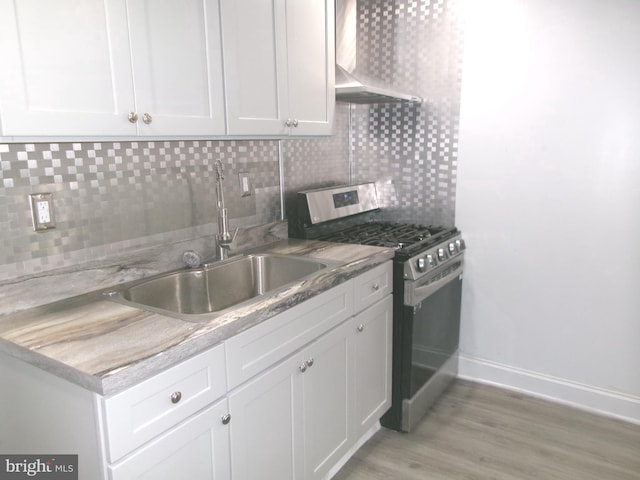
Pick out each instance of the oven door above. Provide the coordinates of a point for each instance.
(432, 318)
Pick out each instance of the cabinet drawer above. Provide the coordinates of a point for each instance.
(254, 350)
(373, 285)
(143, 411)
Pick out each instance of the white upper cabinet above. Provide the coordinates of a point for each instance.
(279, 66)
(85, 67)
(177, 66)
(66, 68)
(311, 57)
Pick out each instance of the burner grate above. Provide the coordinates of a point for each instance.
(381, 234)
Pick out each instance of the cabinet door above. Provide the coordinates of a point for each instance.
(327, 386)
(177, 66)
(196, 449)
(372, 363)
(266, 432)
(311, 57)
(66, 68)
(254, 38)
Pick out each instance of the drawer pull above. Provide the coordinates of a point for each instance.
(361, 328)
(176, 397)
(303, 367)
(376, 287)
(310, 362)
(225, 419)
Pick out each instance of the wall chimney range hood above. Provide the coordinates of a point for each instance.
(350, 88)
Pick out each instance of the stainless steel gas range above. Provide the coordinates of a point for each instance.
(427, 285)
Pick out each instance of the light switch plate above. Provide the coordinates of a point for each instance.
(42, 211)
(245, 184)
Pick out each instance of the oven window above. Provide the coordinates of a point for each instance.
(436, 332)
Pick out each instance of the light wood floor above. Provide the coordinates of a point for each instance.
(478, 432)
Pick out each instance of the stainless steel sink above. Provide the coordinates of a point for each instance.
(215, 287)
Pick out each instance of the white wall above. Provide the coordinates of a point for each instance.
(548, 199)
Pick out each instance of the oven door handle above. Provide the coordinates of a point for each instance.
(417, 291)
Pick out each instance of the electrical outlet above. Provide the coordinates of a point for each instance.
(42, 211)
(245, 184)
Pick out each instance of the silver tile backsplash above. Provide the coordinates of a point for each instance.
(410, 151)
(112, 197)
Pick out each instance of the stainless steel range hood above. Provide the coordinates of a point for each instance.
(349, 88)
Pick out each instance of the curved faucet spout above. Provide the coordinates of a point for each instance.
(224, 238)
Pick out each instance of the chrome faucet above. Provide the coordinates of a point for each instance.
(224, 238)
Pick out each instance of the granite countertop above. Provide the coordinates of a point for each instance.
(105, 346)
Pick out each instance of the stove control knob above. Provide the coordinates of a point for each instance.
(453, 248)
(431, 260)
(460, 244)
(442, 254)
(421, 264)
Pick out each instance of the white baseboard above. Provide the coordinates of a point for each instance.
(585, 397)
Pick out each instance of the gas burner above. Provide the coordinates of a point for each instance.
(398, 236)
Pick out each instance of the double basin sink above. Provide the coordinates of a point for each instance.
(201, 293)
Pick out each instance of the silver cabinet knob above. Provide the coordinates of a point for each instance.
(310, 362)
(176, 397)
(288, 122)
(303, 367)
(225, 419)
(146, 118)
(295, 122)
(133, 117)
(360, 328)
(375, 286)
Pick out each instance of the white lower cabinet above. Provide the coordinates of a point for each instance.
(265, 427)
(372, 364)
(292, 421)
(327, 402)
(288, 399)
(302, 388)
(299, 418)
(198, 449)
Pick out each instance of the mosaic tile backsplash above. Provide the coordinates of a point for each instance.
(114, 197)
(410, 151)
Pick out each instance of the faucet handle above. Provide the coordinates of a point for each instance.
(225, 239)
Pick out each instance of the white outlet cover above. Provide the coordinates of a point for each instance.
(245, 184)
